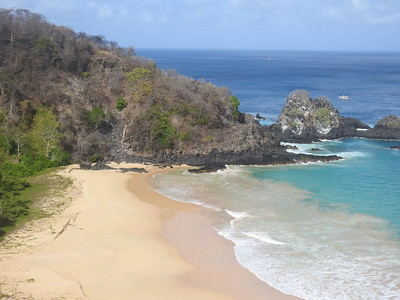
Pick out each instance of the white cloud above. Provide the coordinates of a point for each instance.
(382, 12)
(41, 6)
(360, 4)
(102, 10)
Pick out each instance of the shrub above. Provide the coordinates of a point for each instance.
(323, 115)
(95, 158)
(296, 113)
(43, 43)
(235, 106)
(142, 81)
(183, 135)
(162, 132)
(11, 207)
(121, 104)
(94, 117)
(138, 74)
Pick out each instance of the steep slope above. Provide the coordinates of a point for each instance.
(112, 104)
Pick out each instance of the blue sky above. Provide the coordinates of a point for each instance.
(371, 25)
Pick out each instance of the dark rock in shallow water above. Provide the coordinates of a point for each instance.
(259, 117)
(395, 147)
(316, 149)
(258, 156)
(207, 169)
(292, 147)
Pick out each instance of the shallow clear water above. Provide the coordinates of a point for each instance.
(318, 231)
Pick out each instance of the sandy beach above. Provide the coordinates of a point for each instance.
(118, 239)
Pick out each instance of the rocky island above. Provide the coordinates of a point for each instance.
(304, 119)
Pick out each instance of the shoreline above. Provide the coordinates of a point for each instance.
(119, 239)
(213, 258)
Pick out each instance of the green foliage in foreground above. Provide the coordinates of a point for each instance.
(26, 148)
(42, 197)
(11, 207)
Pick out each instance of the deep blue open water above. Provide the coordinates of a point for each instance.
(318, 231)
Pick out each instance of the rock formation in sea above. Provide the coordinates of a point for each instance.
(304, 119)
(386, 128)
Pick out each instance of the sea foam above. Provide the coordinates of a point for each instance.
(316, 243)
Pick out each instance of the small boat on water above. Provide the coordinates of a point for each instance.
(344, 97)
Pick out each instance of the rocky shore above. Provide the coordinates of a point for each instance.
(303, 120)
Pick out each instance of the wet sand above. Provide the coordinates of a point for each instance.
(118, 239)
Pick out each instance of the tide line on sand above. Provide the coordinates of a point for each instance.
(118, 239)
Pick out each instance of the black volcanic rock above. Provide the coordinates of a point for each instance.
(388, 123)
(217, 158)
(387, 128)
(349, 127)
(259, 117)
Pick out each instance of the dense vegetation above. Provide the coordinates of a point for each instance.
(104, 97)
(27, 146)
(67, 96)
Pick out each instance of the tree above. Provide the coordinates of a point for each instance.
(94, 117)
(28, 113)
(235, 106)
(44, 133)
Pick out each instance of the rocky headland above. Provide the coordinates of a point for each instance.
(72, 97)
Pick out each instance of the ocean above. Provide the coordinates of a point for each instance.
(317, 231)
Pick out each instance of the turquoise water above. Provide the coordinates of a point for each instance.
(366, 182)
(318, 231)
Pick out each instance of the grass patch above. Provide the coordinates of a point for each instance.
(46, 194)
